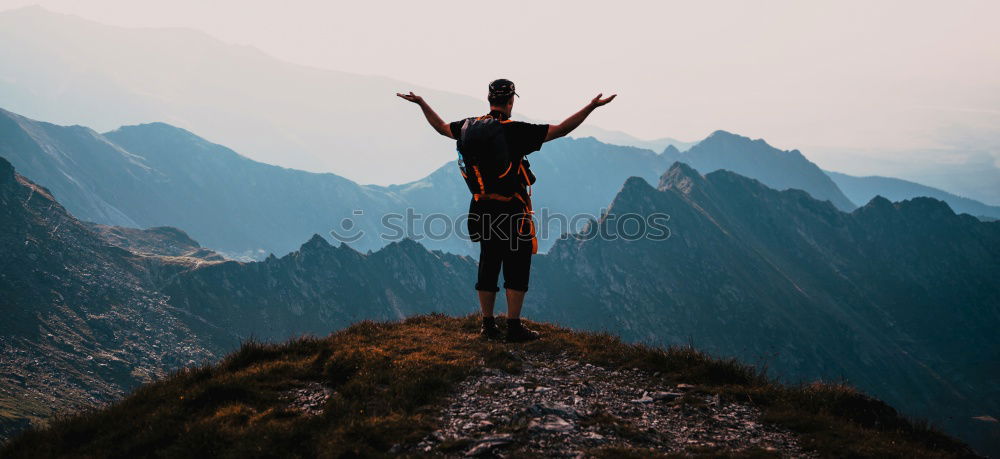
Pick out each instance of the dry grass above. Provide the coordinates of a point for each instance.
(390, 380)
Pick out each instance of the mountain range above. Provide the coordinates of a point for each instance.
(158, 175)
(864, 189)
(877, 297)
(776, 168)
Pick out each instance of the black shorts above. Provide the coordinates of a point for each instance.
(515, 262)
(505, 243)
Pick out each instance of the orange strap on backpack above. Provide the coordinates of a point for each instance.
(479, 178)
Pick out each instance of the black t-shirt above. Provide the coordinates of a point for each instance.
(522, 138)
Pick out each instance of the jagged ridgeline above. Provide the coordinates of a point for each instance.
(896, 298)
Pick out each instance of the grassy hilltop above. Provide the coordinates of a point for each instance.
(377, 388)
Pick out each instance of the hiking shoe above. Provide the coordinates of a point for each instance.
(489, 330)
(518, 333)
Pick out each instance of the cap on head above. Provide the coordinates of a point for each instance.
(502, 88)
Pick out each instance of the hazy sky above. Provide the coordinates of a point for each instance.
(897, 81)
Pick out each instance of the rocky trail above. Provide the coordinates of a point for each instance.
(559, 407)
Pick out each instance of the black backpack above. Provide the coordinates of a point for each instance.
(486, 164)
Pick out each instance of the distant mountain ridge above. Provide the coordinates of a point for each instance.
(863, 189)
(158, 175)
(623, 139)
(776, 168)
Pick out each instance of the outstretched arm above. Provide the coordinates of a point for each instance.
(574, 121)
(435, 121)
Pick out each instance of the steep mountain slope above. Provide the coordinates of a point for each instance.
(158, 175)
(83, 169)
(81, 324)
(777, 169)
(218, 193)
(427, 386)
(863, 189)
(900, 299)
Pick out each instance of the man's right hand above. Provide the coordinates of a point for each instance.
(412, 97)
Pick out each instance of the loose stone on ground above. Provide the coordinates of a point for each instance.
(560, 407)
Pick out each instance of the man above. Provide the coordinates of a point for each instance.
(498, 221)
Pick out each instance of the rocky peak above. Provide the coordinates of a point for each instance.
(405, 245)
(154, 128)
(727, 141)
(633, 193)
(775, 168)
(315, 244)
(926, 207)
(878, 204)
(919, 210)
(681, 177)
(723, 134)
